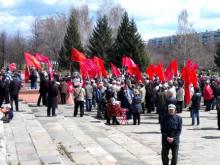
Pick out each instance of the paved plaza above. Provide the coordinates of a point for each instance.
(31, 138)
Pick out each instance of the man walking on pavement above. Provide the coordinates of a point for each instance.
(171, 127)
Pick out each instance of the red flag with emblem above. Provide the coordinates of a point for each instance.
(31, 61)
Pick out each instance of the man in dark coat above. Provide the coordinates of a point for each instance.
(52, 98)
(14, 88)
(43, 90)
(171, 127)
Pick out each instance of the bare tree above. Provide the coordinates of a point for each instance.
(84, 22)
(48, 34)
(16, 48)
(188, 45)
(113, 12)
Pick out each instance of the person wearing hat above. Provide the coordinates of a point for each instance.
(7, 113)
(171, 127)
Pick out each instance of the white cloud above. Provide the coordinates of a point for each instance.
(153, 17)
(12, 24)
(7, 3)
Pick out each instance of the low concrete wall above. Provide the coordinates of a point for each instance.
(31, 96)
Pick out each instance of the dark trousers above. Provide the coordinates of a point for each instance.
(150, 107)
(63, 98)
(14, 98)
(7, 98)
(195, 114)
(77, 105)
(136, 117)
(218, 118)
(114, 120)
(44, 99)
(52, 104)
(89, 105)
(53, 107)
(143, 107)
(179, 106)
(208, 105)
(165, 152)
(1, 100)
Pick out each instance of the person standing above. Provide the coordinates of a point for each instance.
(195, 106)
(79, 97)
(136, 107)
(43, 90)
(208, 95)
(89, 93)
(180, 98)
(14, 88)
(63, 91)
(171, 128)
(33, 79)
(52, 98)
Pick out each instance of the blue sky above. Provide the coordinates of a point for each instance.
(154, 18)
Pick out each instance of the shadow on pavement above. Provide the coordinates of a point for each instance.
(203, 129)
(211, 137)
(147, 132)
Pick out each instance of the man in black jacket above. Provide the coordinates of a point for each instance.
(14, 88)
(171, 127)
(43, 90)
(52, 98)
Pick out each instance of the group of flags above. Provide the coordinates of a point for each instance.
(167, 75)
(90, 68)
(35, 61)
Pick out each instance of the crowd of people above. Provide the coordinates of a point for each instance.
(111, 96)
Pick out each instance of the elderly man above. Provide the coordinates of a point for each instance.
(171, 127)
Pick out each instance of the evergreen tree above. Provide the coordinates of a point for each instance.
(100, 43)
(129, 43)
(71, 40)
(217, 57)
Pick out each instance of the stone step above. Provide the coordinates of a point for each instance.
(3, 155)
(28, 142)
(124, 148)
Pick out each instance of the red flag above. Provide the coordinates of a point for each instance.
(101, 67)
(159, 72)
(138, 74)
(26, 74)
(77, 55)
(127, 61)
(150, 71)
(46, 59)
(186, 78)
(115, 70)
(12, 67)
(174, 66)
(31, 60)
(193, 77)
(168, 73)
(41, 58)
(88, 68)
